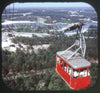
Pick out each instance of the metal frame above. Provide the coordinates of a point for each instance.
(81, 43)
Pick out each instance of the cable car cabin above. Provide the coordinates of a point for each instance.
(74, 71)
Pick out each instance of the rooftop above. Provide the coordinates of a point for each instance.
(76, 61)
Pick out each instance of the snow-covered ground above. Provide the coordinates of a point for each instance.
(7, 44)
(16, 22)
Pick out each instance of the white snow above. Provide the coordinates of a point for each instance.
(7, 43)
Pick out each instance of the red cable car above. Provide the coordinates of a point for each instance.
(72, 66)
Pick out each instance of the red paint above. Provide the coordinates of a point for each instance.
(74, 83)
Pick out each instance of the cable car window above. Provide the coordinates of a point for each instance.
(69, 70)
(58, 60)
(61, 63)
(75, 73)
(88, 72)
(64, 66)
(83, 72)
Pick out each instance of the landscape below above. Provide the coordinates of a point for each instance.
(29, 51)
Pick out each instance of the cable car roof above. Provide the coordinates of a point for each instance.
(76, 61)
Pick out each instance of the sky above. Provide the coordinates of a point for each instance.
(50, 4)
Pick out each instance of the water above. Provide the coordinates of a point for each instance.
(84, 27)
(34, 24)
(54, 26)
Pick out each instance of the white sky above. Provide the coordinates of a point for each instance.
(50, 4)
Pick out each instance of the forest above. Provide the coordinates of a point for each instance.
(39, 68)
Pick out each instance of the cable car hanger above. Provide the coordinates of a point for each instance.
(80, 40)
